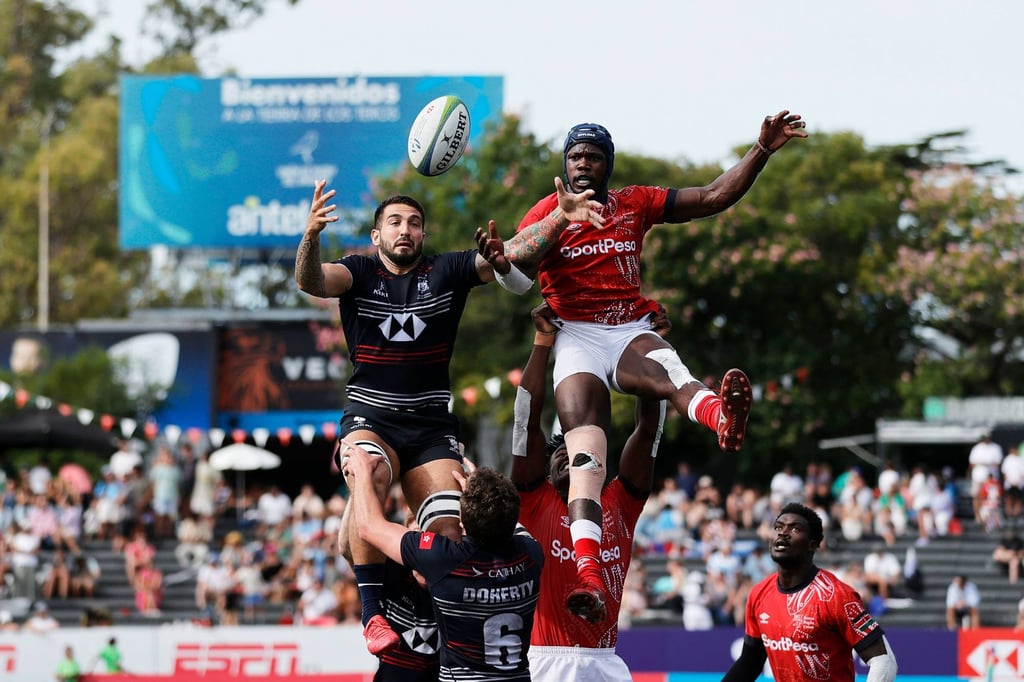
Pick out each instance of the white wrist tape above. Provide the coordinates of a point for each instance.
(515, 281)
(521, 412)
(883, 668)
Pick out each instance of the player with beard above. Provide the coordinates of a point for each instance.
(400, 311)
(564, 647)
(589, 273)
(803, 619)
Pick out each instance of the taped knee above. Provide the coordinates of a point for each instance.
(374, 450)
(585, 461)
(586, 445)
(677, 372)
(439, 505)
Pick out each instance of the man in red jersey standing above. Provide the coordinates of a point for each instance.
(562, 646)
(589, 273)
(803, 619)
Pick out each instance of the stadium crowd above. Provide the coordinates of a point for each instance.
(281, 549)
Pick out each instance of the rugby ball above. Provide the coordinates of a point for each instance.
(439, 135)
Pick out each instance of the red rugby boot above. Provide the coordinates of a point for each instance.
(588, 602)
(737, 397)
(379, 636)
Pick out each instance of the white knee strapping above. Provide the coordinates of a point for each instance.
(691, 409)
(521, 415)
(677, 372)
(442, 504)
(375, 450)
(582, 529)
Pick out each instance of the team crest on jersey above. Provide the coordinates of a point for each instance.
(426, 540)
(402, 327)
(422, 287)
(574, 227)
(565, 521)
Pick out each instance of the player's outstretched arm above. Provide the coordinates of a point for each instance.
(313, 277)
(533, 241)
(367, 513)
(492, 264)
(881, 661)
(750, 663)
(529, 448)
(730, 186)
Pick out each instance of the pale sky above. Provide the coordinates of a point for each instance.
(672, 79)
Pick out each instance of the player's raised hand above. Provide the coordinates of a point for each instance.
(491, 246)
(542, 319)
(319, 210)
(777, 130)
(580, 207)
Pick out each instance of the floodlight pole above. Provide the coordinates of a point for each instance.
(43, 318)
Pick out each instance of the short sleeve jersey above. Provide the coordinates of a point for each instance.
(397, 322)
(810, 631)
(607, 260)
(545, 514)
(484, 602)
(410, 613)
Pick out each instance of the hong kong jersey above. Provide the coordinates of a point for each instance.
(484, 602)
(809, 631)
(593, 275)
(410, 613)
(394, 323)
(545, 514)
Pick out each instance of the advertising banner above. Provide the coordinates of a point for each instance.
(273, 375)
(231, 162)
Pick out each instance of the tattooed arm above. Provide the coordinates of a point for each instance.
(533, 241)
(325, 280)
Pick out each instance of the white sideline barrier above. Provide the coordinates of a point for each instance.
(189, 652)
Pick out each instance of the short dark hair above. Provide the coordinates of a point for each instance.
(397, 199)
(556, 441)
(490, 508)
(811, 516)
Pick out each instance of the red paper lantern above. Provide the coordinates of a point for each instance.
(107, 422)
(514, 376)
(469, 395)
(284, 434)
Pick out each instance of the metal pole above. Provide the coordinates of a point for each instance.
(44, 226)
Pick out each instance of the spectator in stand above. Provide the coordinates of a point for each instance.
(696, 614)
(634, 595)
(786, 486)
(8, 624)
(739, 508)
(274, 507)
(232, 549)
(667, 590)
(723, 561)
(736, 604)
(136, 553)
(943, 509)
(1009, 554)
(716, 532)
(855, 501)
(707, 497)
(56, 576)
(758, 565)
(989, 503)
(686, 479)
(24, 550)
(84, 574)
(39, 477)
(962, 602)
(69, 520)
(109, 495)
(77, 480)
(213, 583)
(888, 479)
(193, 542)
(187, 462)
(165, 477)
(148, 584)
(882, 571)
(41, 619)
(124, 461)
(985, 458)
(716, 591)
(921, 489)
(251, 587)
(890, 514)
(201, 502)
(317, 605)
(309, 502)
(43, 522)
(1012, 469)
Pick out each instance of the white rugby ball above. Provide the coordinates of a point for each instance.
(439, 135)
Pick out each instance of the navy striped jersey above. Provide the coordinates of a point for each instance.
(401, 329)
(484, 601)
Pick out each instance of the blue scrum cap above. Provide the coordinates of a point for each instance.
(594, 134)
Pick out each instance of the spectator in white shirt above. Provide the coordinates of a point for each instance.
(786, 486)
(318, 605)
(962, 601)
(274, 507)
(1012, 468)
(882, 571)
(985, 458)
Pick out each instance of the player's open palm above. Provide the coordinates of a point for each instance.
(579, 208)
(777, 130)
(320, 210)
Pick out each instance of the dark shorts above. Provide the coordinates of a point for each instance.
(1013, 493)
(417, 437)
(393, 673)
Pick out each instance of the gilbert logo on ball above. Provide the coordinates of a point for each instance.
(439, 135)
